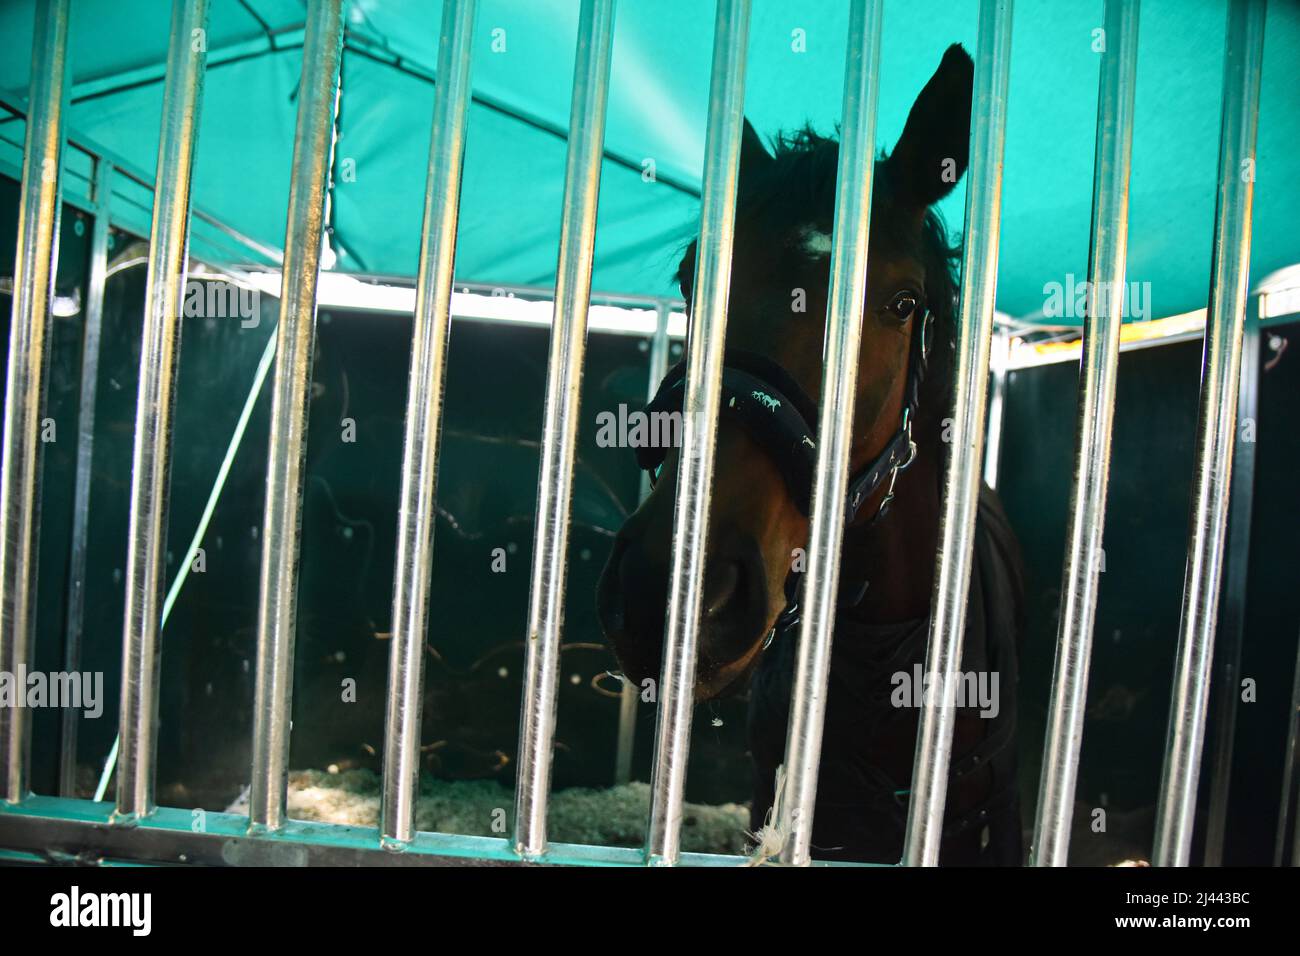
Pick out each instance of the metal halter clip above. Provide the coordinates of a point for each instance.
(911, 445)
(901, 466)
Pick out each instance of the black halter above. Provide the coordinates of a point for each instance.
(780, 416)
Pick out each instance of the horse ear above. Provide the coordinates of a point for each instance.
(753, 158)
(932, 153)
(753, 153)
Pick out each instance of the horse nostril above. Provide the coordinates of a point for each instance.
(721, 582)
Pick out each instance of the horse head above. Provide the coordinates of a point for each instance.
(776, 315)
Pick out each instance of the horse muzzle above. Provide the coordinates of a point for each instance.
(632, 604)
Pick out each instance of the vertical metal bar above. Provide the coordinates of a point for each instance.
(1098, 370)
(961, 483)
(417, 516)
(295, 337)
(844, 308)
(560, 427)
(1221, 370)
(630, 693)
(90, 340)
(699, 434)
(151, 455)
(1232, 636)
(35, 261)
(999, 357)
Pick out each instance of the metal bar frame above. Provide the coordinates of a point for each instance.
(417, 514)
(295, 340)
(1220, 378)
(90, 342)
(701, 404)
(35, 260)
(560, 424)
(60, 828)
(1098, 371)
(845, 302)
(151, 455)
(53, 829)
(961, 480)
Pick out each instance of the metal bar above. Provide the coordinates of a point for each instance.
(151, 456)
(701, 404)
(1233, 622)
(295, 338)
(630, 693)
(1099, 368)
(560, 425)
(1221, 370)
(845, 303)
(417, 516)
(94, 313)
(200, 530)
(961, 482)
(63, 831)
(36, 254)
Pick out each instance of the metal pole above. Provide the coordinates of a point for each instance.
(430, 332)
(962, 473)
(151, 456)
(35, 259)
(844, 308)
(1232, 636)
(1221, 370)
(295, 335)
(1096, 410)
(560, 427)
(702, 405)
(85, 451)
(630, 693)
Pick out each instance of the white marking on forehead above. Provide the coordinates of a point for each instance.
(816, 243)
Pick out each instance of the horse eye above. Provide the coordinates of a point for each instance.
(903, 306)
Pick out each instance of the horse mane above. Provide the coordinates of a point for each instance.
(801, 177)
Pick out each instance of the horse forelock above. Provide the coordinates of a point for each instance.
(792, 199)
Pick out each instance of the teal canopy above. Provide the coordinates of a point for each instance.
(522, 69)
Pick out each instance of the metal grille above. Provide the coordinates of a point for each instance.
(137, 827)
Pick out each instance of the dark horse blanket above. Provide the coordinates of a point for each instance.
(869, 740)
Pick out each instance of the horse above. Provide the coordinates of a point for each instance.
(758, 518)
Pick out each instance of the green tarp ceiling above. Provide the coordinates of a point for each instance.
(510, 209)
